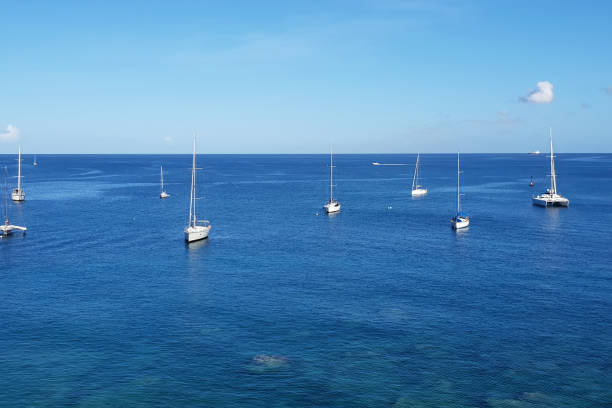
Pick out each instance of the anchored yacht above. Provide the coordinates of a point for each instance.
(550, 198)
(197, 229)
(460, 220)
(333, 205)
(18, 194)
(417, 189)
(163, 193)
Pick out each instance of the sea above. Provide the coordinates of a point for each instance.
(103, 304)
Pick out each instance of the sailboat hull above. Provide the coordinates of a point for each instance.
(459, 223)
(418, 192)
(164, 195)
(196, 233)
(332, 207)
(8, 229)
(18, 195)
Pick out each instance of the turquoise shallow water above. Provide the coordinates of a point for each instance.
(102, 304)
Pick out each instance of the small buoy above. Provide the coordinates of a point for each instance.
(317, 214)
(389, 208)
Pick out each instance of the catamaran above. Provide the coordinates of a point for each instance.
(7, 228)
(332, 206)
(18, 194)
(417, 189)
(461, 220)
(550, 198)
(197, 229)
(163, 193)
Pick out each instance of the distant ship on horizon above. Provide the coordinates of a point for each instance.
(535, 153)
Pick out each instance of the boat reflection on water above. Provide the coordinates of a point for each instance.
(553, 219)
(461, 232)
(193, 246)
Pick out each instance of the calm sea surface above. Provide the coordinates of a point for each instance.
(103, 305)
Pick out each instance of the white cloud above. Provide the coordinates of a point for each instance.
(544, 94)
(168, 140)
(10, 134)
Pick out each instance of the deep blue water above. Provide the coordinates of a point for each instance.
(102, 303)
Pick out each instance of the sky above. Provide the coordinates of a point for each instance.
(368, 76)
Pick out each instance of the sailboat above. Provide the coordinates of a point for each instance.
(417, 189)
(550, 198)
(7, 228)
(197, 229)
(18, 194)
(461, 220)
(163, 193)
(531, 183)
(332, 206)
(35, 162)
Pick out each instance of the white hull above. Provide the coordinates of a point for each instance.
(18, 195)
(418, 192)
(7, 229)
(164, 195)
(333, 207)
(196, 233)
(547, 200)
(460, 223)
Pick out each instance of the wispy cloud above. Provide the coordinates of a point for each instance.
(168, 140)
(440, 7)
(504, 118)
(10, 134)
(312, 36)
(544, 94)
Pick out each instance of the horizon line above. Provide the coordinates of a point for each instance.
(285, 154)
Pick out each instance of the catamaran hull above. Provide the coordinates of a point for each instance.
(196, 233)
(550, 202)
(332, 208)
(8, 229)
(419, 192)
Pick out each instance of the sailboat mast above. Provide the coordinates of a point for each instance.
(161, 174)
(19, 170)
(331, 173)
(193, 181)
(458, 191)
(6, 189)
(553, 176)
(416, 172)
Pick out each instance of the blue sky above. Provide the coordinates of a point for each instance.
(294, 76)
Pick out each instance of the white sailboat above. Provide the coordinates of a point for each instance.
(163, 193)
(35, 162)
(18, 194)
(460, 220)
(197, 229)
(7, 228)
(332, 206)
(550, 198)
(417, 189)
